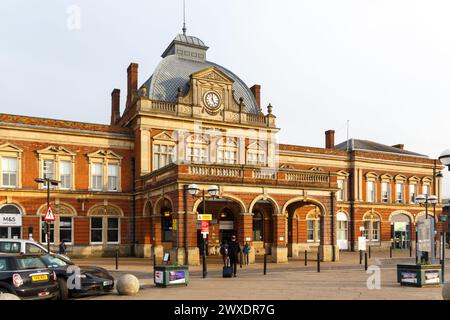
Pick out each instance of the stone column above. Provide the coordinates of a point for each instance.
(329, 251)
(246, 232)
(279, 248)
(158, 249)
(293, 247)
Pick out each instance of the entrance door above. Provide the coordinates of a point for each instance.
(342, 231)
(401, 235)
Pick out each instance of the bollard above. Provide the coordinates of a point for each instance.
(117, 260)
(306, 257)
(360, 256)
(370, 252)
(265, 263)
(390, 252)
(442, 256)
(318, 261)
(241, 256)
(410, 250)
(365, 260)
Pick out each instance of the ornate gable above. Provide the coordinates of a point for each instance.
(163, 136)
(212, 74)
(105, 154)
(8, 147)
(56, 150)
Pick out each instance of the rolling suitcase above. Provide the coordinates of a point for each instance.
(227, 272)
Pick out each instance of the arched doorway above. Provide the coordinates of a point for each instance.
(10, 222)
(262, 226)
(400, 230)
(342, 230)
(163, 223)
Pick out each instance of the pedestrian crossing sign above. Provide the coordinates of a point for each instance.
(49, 215)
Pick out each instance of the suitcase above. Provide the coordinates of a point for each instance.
(227, 272)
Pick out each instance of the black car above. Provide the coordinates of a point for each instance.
(76, 280)
(27, 277)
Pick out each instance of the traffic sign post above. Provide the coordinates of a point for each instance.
(49, 215)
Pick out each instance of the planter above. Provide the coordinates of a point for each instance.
(171, 276)
(419, 275)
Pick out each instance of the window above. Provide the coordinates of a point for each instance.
(426, 189)
(96, 230)
(342, 230)
(313, 227)
(162, 155)
(9, 172)
(385, 192)
(197, 154)
(113, 230)
(31, 248)
(258, 223)
(65, 172)
(412, 193)
(372, 228)
(341, 187)
(370, 191)
(44, 234)
(113, 177)
(227, 156)
(48, 169)
(256, 157)
(399, 192)
(65, 229)
(97, 176)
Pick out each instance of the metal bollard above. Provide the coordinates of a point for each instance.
(117, 260)
(360, 256)
(365, 261)
(306, 257)
(442, 256)
(265, 263)
(410, 250)
(318, 261)
(390, 252)
(370, 252)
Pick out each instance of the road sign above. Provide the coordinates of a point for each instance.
(204, 217)
(49, 215)
(205, 226)
(174, 224)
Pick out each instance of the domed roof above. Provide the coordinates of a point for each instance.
(185, 56)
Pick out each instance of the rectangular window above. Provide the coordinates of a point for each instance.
(370, 191)
(256, 158)
(197, 154)
(44, 234)
(65, 173)
(310, 230)
(97, 176)
(385, 192)
(48, 170)
(162, 155)
(367, 230)
(113, 177)
(113, 230)
(65, 229)
(96, 230)
(227, 156)
(412, 193)
(340, 193)
(375, 230)
(9, 172)
(399, 193)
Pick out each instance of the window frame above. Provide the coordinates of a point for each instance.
(96, 229)
(3, 172)
(313, 217)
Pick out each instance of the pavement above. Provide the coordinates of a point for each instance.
(345, 279)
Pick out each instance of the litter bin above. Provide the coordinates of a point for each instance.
(171, 275)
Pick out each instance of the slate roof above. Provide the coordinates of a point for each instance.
(366, 145)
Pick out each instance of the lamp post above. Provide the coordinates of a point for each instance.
(445, 160)
(213, 191)
(47, 182)
(426, 200)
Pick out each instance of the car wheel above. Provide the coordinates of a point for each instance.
(63, 291)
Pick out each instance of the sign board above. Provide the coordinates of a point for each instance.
(159, 277)
(432, 277)
(204, 217)
(178, 276)
(10, 220)
(205, 226)
(49, 215)
(226, 225)
(166, 257)
(174, 224)
(408, 277)
(362, 243)
(424, 235)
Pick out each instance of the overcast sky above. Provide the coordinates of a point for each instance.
(383, 65)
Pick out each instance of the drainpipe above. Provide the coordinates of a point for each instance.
(185, 192)
(332, 195)
(351, 198)
(133, 208)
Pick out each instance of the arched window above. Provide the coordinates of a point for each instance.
(258, 224)
(372, 227)
(166, 225)
(313, 226)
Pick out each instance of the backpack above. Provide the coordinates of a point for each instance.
(224, 250)
(247, 249)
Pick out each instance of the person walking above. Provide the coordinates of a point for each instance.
(234, 251)
(246, 251)
(62, 247)
(224, 251)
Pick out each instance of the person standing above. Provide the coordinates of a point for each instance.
(62, 247)
(224, 251)
(234, 251)
(246, 251)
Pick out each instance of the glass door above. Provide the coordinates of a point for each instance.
(3, 232)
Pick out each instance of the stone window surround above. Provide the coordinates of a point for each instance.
(227, 144)
(8, 150)
(163, 138)
(57, 154)
(343, 176)
(371, 177)
(72, 214)
(372, 217)
(313, 215)
(92, 214)
(258, 149)
(105, 158)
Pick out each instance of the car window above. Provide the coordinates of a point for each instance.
(31, 248)
(9, 247)
(4, 264)
(24, 263)
(53, 262)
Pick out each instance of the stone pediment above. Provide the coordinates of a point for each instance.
(104, 154)
(163, 136)
(56, 150)
(8, 147)
(212, 74)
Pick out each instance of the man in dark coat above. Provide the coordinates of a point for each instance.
(234, 250)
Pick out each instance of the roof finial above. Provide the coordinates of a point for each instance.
(184, 17)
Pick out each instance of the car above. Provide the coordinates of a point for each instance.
(92, 280)
(24, 246)
(27, 277)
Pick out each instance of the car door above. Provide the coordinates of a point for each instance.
(33, 249)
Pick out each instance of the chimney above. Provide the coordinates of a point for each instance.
(329, 139)
(256, 90)
(399, 146)
(132, 77)
(115, 106)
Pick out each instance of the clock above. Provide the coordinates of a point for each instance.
(212, 100)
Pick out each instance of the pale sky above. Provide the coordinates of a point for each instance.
(382, 64)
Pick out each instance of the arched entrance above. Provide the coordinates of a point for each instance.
(163, 223)
(342, 230)
(262, 211)
(10, 221)
(400, 230)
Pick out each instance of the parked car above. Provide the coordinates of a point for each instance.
(93, 280)
(24, 246)
(27, 276)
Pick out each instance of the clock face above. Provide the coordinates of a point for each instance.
(212, 100)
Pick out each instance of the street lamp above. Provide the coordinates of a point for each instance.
(47, 182)
(213, 191)
(426, 200)
(445, 158)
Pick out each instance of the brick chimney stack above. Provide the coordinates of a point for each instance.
(115, 106)
(132, 79)
(399, 146)
(329, 139)
(256, 90)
